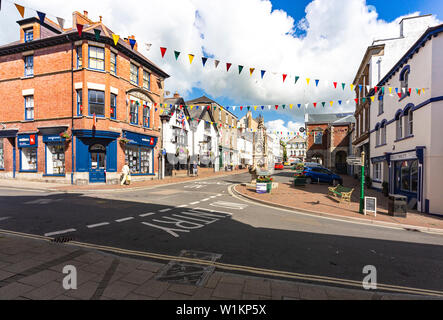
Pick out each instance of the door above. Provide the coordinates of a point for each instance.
(97, 163)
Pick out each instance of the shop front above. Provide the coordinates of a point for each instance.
(8, 153)
(139, 153)
(96, 156)
(55, 161)
(28, 145)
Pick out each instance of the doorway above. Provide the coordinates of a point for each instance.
(97, 163)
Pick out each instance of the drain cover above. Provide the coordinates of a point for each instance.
(62, 239)
(189, 273)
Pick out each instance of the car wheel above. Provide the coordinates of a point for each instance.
(308, 180)
(334, 182)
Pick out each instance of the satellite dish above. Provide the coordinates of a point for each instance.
(301, 129)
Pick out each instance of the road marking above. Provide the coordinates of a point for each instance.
(195, 202)
(212, 197)
(229, 205)
(43, 201)
(218, 195)
(193, 186)
(124, 219)
(4, 218)
(182, 206)
(59, 232)
(206, 199)
(97, 225)
(164, 210)
(253, 270)
(146, 214)
(214, 211)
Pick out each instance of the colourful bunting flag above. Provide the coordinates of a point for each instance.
(343, 85)
(116, 37)
(61, 22)
(216, 62)
(335, 85)
(20, 9)
(284, 77)
(276, 106)
(339, 102)
(307, 81)
(41, 16)
(132, 43)
(97, 34)
(79, 29)
(262, 73)
(191, 57)
(316, 82)
(296, 79)
(163, 51)
(315, 104)
(299, 105)
(228, 65)
(204, 59)
(240, 68)
(352, 87)
(331, 102)
(323, 103)
(251, 70)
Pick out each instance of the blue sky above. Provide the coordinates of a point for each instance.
(387, 10)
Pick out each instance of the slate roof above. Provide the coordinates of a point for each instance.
(330, 118)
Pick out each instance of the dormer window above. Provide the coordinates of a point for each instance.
(29, 34)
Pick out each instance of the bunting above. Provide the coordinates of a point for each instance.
(61, 22)
(251, 70)
(240, 68)
(191, 57)
(79, 29)
(176, 54)
(262, 73)
(20, 9)
(115, 37)
(163, 51)
(132, 42)
(204, 59)
(228, 65)
(41, 16)
(97, 34)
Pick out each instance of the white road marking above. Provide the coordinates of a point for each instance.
(206, 199)
(212, 197)
(229, 205)
(214, 211)
(182, 206)
(97, 225)
(147, 214)
(195, 202)
(4, 218)
(43, 201)
(193, 186)
(59, 232)
(218, 195)
(164, 210)
(124, 219)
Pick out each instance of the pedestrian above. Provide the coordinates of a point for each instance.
(126, 177)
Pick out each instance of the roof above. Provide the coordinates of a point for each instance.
(297, 139)
(205, 100)
(70, 35)
(329, 118)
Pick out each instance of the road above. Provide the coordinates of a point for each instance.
(204, 216)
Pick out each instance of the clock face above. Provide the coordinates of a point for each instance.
(302, 129)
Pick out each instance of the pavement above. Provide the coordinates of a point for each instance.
(314, 199)
(223, 234)
(32, 269)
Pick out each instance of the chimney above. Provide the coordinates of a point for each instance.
(100, 18)
(85, 13)
(176, 95)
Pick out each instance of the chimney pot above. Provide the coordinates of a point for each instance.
(176, 95)
(101, 18)
(85, 13)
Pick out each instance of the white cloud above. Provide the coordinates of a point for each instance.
(282, 128)
(246, 32)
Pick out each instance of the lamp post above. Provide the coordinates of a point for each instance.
(362, 186)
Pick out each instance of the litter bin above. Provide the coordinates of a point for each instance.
(397, 205)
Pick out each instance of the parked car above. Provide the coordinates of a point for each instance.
(286, 163)
(278, 166)
(319, 174)
(313, 164)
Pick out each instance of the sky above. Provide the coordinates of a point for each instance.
(318, 39)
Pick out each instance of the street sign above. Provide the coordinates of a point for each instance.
(353, 160)
(371, 205)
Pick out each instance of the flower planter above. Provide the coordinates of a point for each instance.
(261, 187)
(300, 181)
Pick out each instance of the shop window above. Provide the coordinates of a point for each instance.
(29, 66)
(146, 80)
(139, 159)
(133, 115)
(2, 154)
(79, 57)
(96, 58)
(407, 175)
(113, 69)
(377, 171)
(96, 101)
(146, 116)
(29, 108)
(28, 160)
(55, 159)
(79, 102)
(29, 34)
(113, 110)
(134, 74)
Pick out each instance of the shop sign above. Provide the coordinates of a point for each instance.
(404, 156)
(140, 139)
(52, 138)
(27, 140)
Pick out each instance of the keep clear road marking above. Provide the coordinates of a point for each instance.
(124, 219)
(97, 225)
(59, 232)
(229, 205)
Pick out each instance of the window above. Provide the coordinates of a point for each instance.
(2, 154)
(407, 175)
(29, 108)
(226, 119)
(29, 66)
(181, 137)
(139, 159)
(404, 82)
(377, 137)
(380, 104)
(79, 57)
(96, 101)
(377, 171)
(79, 102)
(55, 159)
(318, 137)
(133, 115)
(134, 74)
(113, 110)
(146, 116)
(219, 118)
(29, 34)
(96, 58)
(409, 123)
(383, 134)
(399, 125)
(146, 80)
(113, 63)
(28, 159)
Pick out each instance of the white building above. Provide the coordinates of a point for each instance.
(244, 146)
(406, 131)
(296, 149)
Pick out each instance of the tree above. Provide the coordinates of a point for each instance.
(285, 155)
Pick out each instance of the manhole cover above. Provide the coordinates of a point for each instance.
(189, 273)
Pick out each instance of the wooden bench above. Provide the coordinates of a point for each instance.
(343, 192)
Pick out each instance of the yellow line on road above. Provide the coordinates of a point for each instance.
(254, 270)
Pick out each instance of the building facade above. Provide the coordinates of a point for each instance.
(296, 149)
(98, 114)
(405, 127)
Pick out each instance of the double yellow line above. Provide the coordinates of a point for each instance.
(225, 266)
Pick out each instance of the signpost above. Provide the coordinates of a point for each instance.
(371, 205)
(352, 160)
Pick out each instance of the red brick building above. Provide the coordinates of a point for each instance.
(74, 108)
(329, 139)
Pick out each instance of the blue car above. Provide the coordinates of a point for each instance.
(320, 174)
